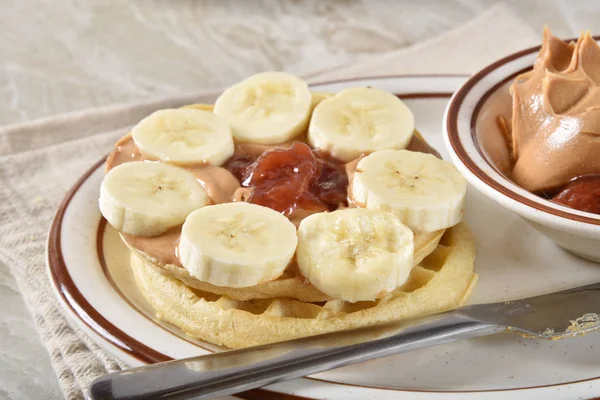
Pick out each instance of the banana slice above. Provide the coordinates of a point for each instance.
(426, 193)
(355, 254)
(267, 108)
(236, 244)
(360, 121)
(146, 199)
(184, 136)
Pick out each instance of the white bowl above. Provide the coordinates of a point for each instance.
(575, 231)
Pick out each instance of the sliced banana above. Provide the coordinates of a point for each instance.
(146, 199)
(355, 254)
(237, 244)
(426, 193)
(184, 136)
(267, 108)
(360, 121)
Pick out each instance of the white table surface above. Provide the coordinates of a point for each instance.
(65, 55)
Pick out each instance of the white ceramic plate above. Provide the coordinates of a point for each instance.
(88, 267)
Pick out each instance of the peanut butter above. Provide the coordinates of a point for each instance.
(161, 248)
(555, 126)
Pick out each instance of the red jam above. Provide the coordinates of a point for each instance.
(582, 193)
(330, 185)
(286, 179)
(237, 165)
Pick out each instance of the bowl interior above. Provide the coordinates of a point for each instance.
(494, 107)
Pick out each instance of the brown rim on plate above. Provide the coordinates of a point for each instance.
(90, 317)
(384, 77)
(453, 137)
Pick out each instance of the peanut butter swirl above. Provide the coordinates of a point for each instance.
(556, 115)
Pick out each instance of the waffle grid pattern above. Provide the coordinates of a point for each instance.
(442, 281)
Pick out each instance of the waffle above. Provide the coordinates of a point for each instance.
(290, 285)
(441, 281)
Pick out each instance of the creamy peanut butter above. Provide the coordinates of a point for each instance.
(299, 214)
(555, 126)
(161, 248)
(222, 187)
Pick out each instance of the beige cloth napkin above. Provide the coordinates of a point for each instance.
(40, 160)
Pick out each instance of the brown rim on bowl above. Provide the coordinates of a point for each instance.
(452, 130)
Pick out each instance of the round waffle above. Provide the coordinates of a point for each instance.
(290, 285)
(441, 281)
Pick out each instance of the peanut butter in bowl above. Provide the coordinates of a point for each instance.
(542, 129)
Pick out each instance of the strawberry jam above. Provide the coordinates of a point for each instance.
(330, 184)
(286, 179)
(582, 193)
(238, 164)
